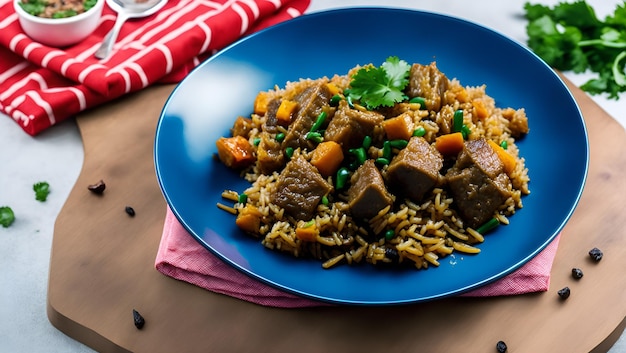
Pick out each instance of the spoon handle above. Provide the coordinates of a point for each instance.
(107, 43)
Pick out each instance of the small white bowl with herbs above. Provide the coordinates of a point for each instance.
(58, 23)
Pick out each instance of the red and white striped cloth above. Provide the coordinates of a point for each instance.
(41, 86)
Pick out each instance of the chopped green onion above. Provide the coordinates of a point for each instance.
(243, 198)
(420, 101)
(314, 136)
(309, 224)
(504, 144)
(359, 154)
(342, 178)
(319, 121)
(389, 234)
(465, 131)
(334, 101)
(280, 137)
(256, 141)
(387, 150)
(289, 152)
(400, 144)
(457, 121)
(325, 200)
(419, 132)
(382, 161)
(488, 226)
(367, 142)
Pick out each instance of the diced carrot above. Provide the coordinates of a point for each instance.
(479, 109)
(309, 233)
(462, 95)
(449, 144)
(235, 152)
(399, 128)
(327, 157)
(261, 102)
(333, 89)
(507, 159)
(249, 219)
(285, 111)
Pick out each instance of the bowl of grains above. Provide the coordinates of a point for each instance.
(58, 23)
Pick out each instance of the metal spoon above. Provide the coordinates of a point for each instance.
(126, 9)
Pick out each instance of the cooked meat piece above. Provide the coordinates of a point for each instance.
(428, 82)
(300, 188)
(367, 192)
(271, 122)
(241, 127)
(349, 126)
(415, 170)
(311, 101)
(269, 154)
(478, 183)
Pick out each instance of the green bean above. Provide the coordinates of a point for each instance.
(419, 100)
(359, 154)
(387, 150)
(319, 121)
(342, 177)
(289, 152)
(488, 226)
(419, 132)
(367, 142)
(400, 144)
(465, 131)
(457, 121)
(382, 161)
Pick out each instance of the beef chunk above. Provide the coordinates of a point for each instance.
(349, 126)
(367, 193)
(415, 170)
(270, 155)
(311, 101)
(428, 82)
(271, 122)
(478, 183)
(299, 189)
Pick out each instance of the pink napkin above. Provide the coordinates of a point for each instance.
(181, 257)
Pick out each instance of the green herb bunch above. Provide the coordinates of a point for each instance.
(570, 37)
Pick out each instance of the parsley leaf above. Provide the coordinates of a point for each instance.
(6, 216)
(42, 189)
(381, 86)
(569, 36)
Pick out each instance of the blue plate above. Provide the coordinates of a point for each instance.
(204, 105)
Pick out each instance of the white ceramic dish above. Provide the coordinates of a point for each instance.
(59, 32)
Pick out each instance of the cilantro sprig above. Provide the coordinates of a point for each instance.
(42, 189)
(6, 216)
(570, 37)
(380, 86)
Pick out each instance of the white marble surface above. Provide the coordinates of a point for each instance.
(56, 156)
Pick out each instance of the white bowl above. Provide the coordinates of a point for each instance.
(59, 32)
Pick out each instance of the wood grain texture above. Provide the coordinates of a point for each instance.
(102, 267)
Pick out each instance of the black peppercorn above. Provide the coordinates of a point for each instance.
(138, 319)
(596, 254)
(501, 347)
(564, 293)
(130, 211)
(577, 273)
(97, 188)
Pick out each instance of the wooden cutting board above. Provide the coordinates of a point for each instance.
(102, 267)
